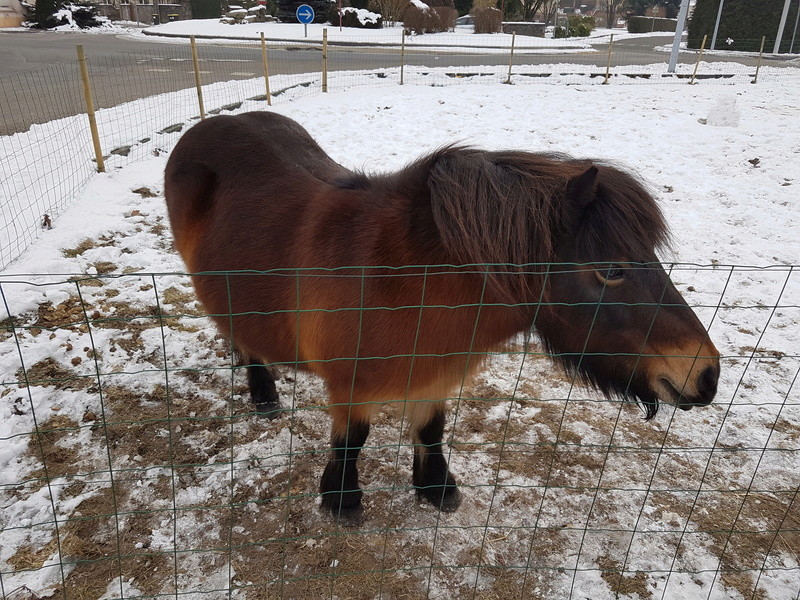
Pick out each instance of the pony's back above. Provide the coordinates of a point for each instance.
(257, 166)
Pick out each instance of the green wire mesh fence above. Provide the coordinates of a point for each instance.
(145, 99)
(134, 466)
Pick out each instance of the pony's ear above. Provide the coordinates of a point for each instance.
(581, 189)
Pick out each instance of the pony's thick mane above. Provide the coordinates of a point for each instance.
(512, 208)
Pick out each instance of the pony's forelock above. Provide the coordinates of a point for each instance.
(623, 221)
(507, 209)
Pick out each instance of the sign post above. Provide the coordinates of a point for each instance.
(304, 15)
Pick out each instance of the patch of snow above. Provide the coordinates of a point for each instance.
(725, 209)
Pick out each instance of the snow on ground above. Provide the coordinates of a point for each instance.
(461, 37)
(563, 499)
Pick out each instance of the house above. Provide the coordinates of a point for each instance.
(11, 13)
(145, 11)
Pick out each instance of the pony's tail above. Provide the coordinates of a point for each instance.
(189, 191)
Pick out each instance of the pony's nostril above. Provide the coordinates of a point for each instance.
(707, 383)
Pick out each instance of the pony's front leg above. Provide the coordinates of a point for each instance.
(433, 480)
(263, 392)
(339, 486)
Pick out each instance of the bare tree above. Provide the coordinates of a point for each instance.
(638, 7)
(391, 10)
(530, 8)
(612, 7)
(671, 7)
(549, 8)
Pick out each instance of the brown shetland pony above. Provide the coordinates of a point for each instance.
(521, 240)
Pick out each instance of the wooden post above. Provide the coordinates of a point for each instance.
(266, 68)
(699, 58)
(760, 54)
(87, 94)
(402, 55)
(197, 83)
(608, 64)
(325, 59)
(511, 58)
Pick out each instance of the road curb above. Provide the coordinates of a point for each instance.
(346, 43)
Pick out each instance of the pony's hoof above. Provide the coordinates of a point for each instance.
(269, 410)
(447, 502)
(348, 517)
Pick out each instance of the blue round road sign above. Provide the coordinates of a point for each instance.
(304, 14)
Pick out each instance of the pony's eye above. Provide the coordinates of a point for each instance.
(612, 274)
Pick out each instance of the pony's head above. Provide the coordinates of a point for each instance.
(588, 233)
(611, 313)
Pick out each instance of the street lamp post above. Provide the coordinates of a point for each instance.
(676, 42)
(779, 37)
(794, 33)
(716, 25)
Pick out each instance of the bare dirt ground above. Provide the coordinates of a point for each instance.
(133, 427)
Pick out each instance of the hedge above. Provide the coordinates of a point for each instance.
(744, 22)
(648, 24)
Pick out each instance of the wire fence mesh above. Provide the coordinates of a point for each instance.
(146, 98)
(138, 468)
(143, 470)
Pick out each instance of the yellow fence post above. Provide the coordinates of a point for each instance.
(266, 67)
(325, 59)
(699, 58)
(197, 83)
(511, 58)
(608, 63)
(87, 94)
(402, 55)
(760, 54)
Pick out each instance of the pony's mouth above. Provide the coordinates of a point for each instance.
(670, 393)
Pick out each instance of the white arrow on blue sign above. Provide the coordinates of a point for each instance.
(304, 14)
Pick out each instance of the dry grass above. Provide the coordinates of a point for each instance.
(533, 470)
(144, 192)
(276, 523)
(48, 372)
(102, 267)
(65, 315)
(31, 558)
(50, 446)
(620, 583)
(766, 524)
(78, 250)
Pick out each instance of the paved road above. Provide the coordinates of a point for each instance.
(39, 81)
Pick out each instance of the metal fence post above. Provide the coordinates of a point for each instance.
(197, 83)
(325, 59)
(266, 68)
(608, 64)
(87, 94)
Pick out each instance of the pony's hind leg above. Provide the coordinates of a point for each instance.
(341, 494)
(263, 392)
(433, 480)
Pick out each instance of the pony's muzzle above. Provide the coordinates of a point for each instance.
(706, 389)
(689, 381)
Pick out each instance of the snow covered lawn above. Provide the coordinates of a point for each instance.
(461, 37)
(161, 482)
